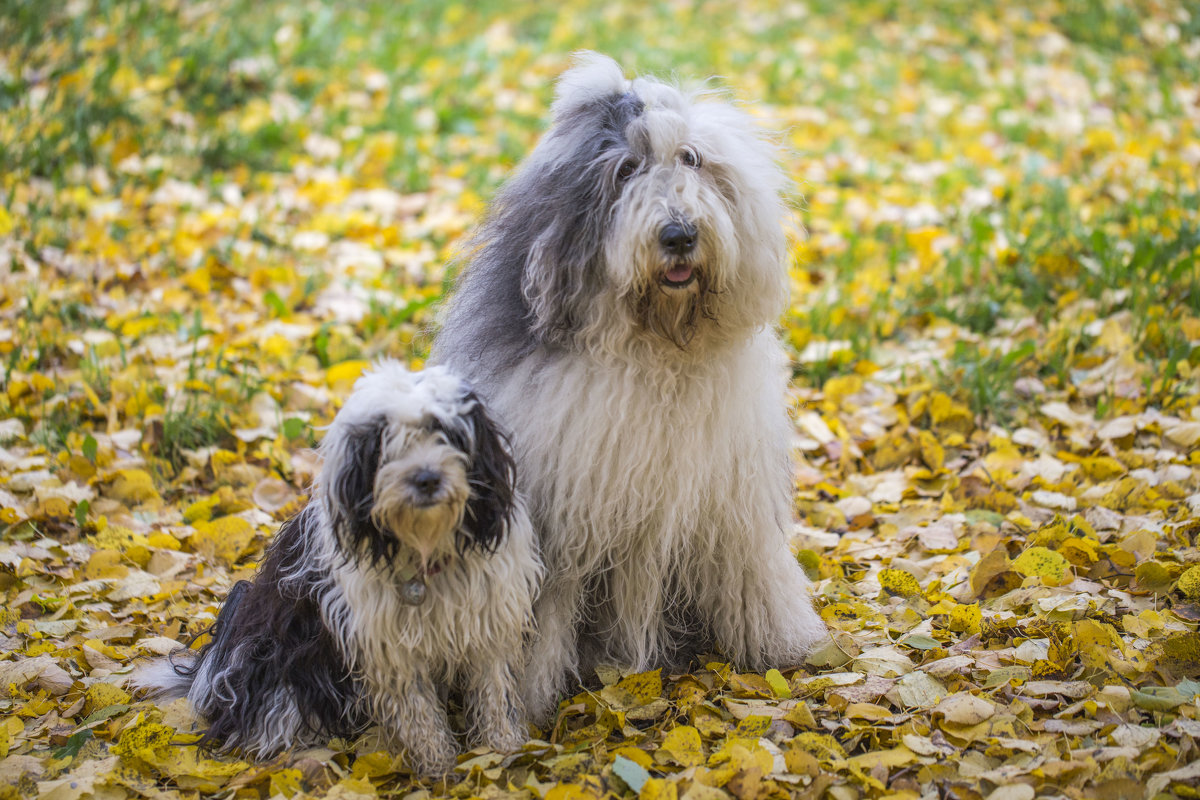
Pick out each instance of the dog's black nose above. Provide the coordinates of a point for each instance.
(677, 238)
(426, 481)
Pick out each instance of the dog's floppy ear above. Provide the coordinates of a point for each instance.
(557, 278)
(491, 475)
(349, 477)
(567, 222)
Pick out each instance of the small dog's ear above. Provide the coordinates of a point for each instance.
(350, 468)
(492, 478)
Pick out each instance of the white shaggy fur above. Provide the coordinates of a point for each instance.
(642, 380)
(401, 659)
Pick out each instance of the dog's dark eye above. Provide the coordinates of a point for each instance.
(626, 170)
(690, 157)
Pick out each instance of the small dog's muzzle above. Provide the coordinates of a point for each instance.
(426, 483)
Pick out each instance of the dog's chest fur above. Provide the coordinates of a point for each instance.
(629, 459)
(366, 610)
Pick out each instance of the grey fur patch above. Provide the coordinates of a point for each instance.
(535, 258)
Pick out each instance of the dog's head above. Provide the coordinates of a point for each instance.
(645, 210)
(415, 470)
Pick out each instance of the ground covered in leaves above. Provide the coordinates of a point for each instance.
(213, 214)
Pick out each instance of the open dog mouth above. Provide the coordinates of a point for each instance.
(423, 503)
(679, 275)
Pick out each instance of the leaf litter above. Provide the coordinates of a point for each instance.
(211, 221)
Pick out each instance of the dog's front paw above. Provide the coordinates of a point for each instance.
(504, 737)
(431, 758)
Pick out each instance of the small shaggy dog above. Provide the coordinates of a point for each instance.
(413, 570)
(617, 315)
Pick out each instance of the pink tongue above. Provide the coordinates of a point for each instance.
(679, 274)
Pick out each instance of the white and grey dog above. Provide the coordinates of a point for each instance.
(411, 572)
(617, 315)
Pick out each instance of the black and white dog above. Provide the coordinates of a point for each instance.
(411, 572)
(617, 313)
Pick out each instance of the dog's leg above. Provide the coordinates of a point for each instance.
(553, 658)
(762, 616)
(414, 718)
(790, 626)
(493, 703)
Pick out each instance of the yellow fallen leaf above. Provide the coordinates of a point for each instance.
(1179, 653)
(352, 789)
(1140, 544)
(683, 746)
(145, 740)
(1189, 583)
(104, 564)
(230, 468)
(1049, 565)
(966, 619)
(1097, 643)
(963, 708)
(839, 387)
(222, 502)
(753, 727)
(886, 662)
(192, 771)
(658, 789)
(377, 765)
(1102, 468)
(821, 745)
(1153, 576)
(932, 452)
(132, 486)
(896, 757)
(1184, 434)
(117, 538)
(102, 695)
(742, 754)
(10, 729)
(201, 510)
(899, 583)
(800, 762)
(994, 563)
(920, 690)
(164, 541)
(1080, 551)
(800, 716)
(1145, 625)
(345, 373)
(285, 782)
(778, 684)
(868, 711)
(947, 415)
(635, 754)
(224, 539)
(586, 790)
(645, 686)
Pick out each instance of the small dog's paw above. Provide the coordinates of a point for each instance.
(431, 761)
(504, 738)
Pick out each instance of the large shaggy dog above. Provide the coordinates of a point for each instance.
(411, 571)
(616, 314)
